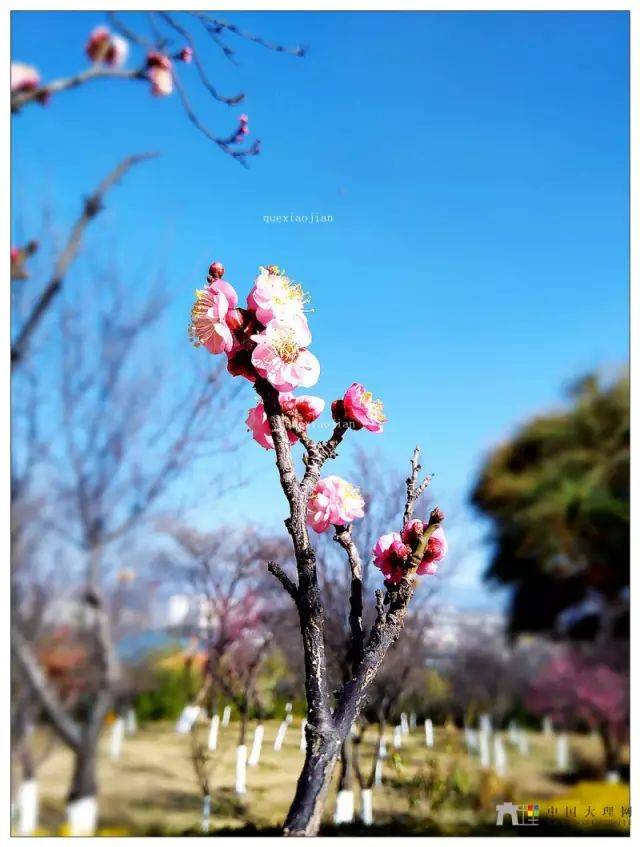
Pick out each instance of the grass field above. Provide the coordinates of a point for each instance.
(152, 789)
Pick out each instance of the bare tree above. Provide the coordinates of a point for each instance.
(92, 205)
(118, 450)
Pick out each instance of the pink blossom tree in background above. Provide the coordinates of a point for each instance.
(267, 342)
(580, 688)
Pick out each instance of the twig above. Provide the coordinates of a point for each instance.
(22, 98)
(215, 26)
(287, 583)
(414, 489)
(92, 206)
(230, 101)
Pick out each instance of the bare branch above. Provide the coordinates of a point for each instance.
(23, 98)
(414, 489)
(230, 101)
(215, 27)
(65, 726)
(92, 206)
(344, 539)
(287, 583)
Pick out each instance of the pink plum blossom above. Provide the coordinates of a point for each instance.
(23, 77)
(281, 357)
(186, 55)
(275, 295)
(104, 46)
(334, 502)
(362, 410)
(390, 554)
(159, 71)
(208, 321)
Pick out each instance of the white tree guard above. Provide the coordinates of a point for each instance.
(82, 816)
(428, 732)
(282, 731)
(187, 718)
(226, 715)
(27, 808)
(485, 724)
(404, 724)
(562, 752)
(366, 806)
(206, 812)
(132, 722)
(256, 747)
(547, 726)
(499, 756)
(241, 769)
(212, 741)
(115, 741)
(344, 808)
(485, 752)
(397, 736)
(303, 736)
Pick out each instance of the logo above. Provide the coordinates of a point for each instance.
(527, 814)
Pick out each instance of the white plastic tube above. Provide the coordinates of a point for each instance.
(366, 806)
(428, 732)
(212, 742)
(344, 808)
(256, 747)
(115, 741)
(27, 808)
(282, 731)
(241, 769)
(82, 816)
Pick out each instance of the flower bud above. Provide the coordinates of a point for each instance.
(436, 516)
(216, 270)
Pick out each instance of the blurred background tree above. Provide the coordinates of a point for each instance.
(557, 494)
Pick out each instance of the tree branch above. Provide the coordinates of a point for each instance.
(92, 206)
(65, 726)
(287, 583)
(344, 539)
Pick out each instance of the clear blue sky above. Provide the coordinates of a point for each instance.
(475, 166)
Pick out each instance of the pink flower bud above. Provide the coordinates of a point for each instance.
(216, 270)
(186, 55)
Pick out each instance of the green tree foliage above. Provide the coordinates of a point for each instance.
(557, 494)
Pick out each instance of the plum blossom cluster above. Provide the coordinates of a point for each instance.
(392, 551)
(269, 339)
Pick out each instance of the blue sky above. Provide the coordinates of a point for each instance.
(474, 165)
